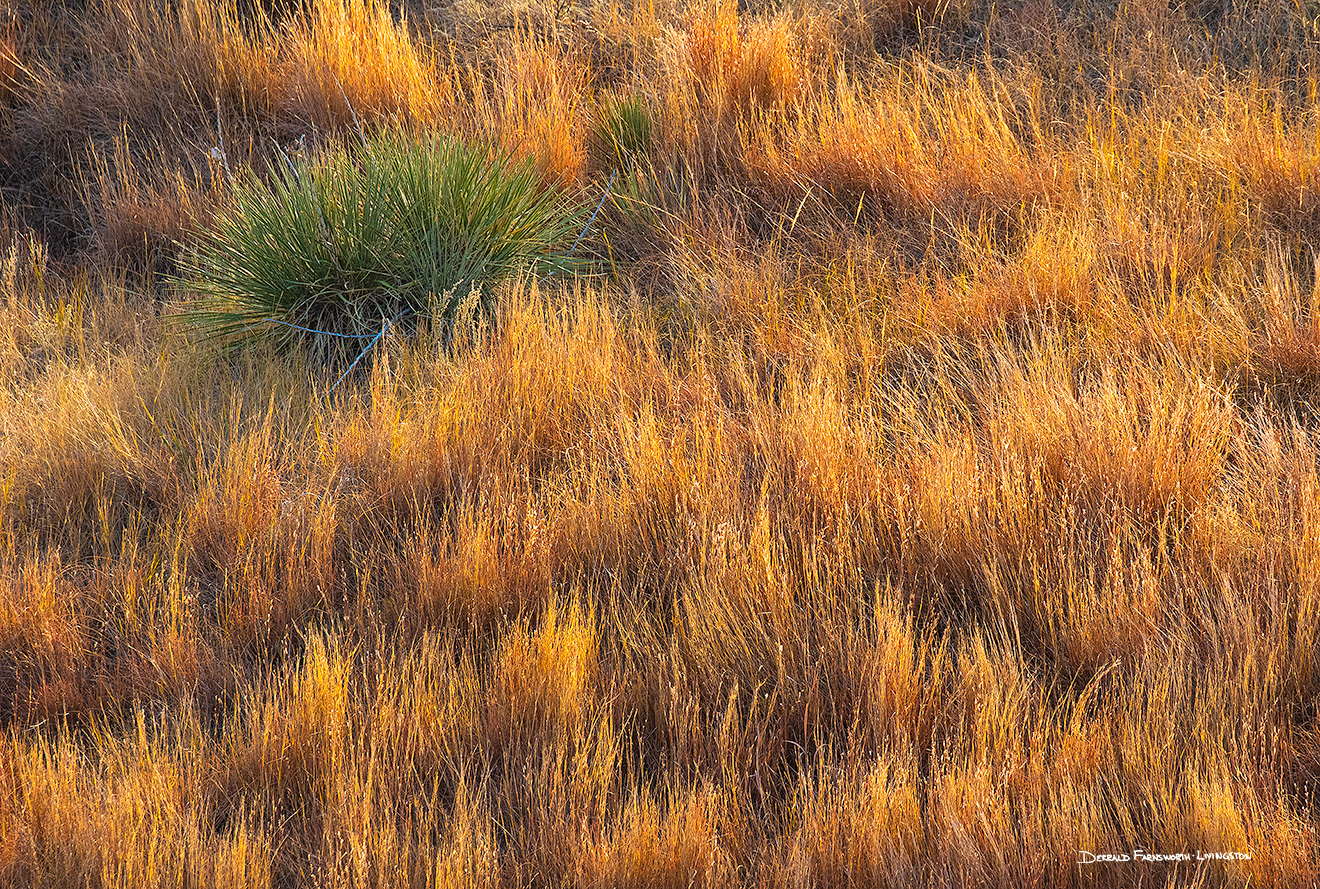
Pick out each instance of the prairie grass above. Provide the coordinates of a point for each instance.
(920, 486)
(342, 58)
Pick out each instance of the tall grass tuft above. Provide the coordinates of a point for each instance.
(325, 253)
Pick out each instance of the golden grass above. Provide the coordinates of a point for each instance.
(924, 486)
(532, 105)
(742, 65)
(342, 58)
(919, 142)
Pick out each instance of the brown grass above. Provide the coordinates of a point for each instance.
(923, 487)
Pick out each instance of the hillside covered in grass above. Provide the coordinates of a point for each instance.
(913, 480)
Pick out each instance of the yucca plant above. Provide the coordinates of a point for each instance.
(621, 133)
(392, 229)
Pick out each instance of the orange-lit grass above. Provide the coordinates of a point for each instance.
(144, 210)
(737, 65)
(930, 537)
(917, 141)
(341, 58)
(533, 104)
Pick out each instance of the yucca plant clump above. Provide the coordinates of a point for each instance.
(621, 133)
(394, 229)
(622, 140)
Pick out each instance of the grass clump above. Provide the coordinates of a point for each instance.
(324, 254)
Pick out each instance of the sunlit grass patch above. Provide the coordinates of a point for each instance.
(346, 58)
(736, 64)
(946, 147)
(929, 492)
